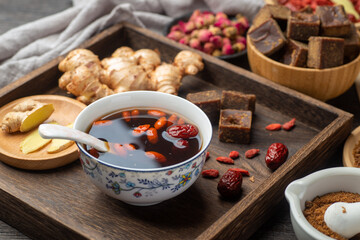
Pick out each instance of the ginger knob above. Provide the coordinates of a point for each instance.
(189, 63)
(26, 116)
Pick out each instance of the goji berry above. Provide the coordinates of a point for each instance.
(234, 154)
(289, 125)
(160, 123)
(242, 171)
(152, 135)
(129, 146)
(229, 185)
(157, 156)
(210, 173)
(135, 112)
(118, 149)
(273, 127)
(252, 153)
(156, 113)
(126, 116)
(181, 121)
(140, 129)
(225, 160)
(183, 131)
(171, 120)
(103, 123)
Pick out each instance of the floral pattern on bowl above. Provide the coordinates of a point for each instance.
(134, 184)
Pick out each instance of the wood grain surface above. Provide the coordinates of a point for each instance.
(277, 227)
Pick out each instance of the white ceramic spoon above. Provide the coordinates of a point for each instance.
(343, 218)
(61, 132)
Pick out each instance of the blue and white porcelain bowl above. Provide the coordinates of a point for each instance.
(144, 186)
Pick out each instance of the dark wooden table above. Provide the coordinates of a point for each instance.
(15, 13)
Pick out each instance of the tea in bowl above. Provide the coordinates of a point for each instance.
(157, 145)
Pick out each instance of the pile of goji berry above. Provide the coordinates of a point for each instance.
(296, 5)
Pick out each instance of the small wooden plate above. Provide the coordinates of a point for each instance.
(66, 111)
(351, 141)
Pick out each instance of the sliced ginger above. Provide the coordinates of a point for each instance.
(26, 116)
(33, 142)
(57, 145)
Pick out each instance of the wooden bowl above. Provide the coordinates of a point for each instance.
(323, 84)
(350, 143)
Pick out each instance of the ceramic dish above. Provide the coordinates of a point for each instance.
(40, 160)
(313, 185)
(351, 141)
(186, 17)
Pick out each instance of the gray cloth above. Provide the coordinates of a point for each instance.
(49, 37)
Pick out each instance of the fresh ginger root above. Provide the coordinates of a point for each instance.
(82, 76)
(26, 116)
(125, 70)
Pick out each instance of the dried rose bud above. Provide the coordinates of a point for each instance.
(241, 39)
(195, 43)
(220, 15)
(239, 27)
(216, 53)
(230, 32)
(226, 41)
(185, 40)
(199, 22)
(244, 22)
(175, 35)
(195, 14)
(238, 47)
(208, 48)
(217, 41)
(204, 35)
(227, 49)
(208, 19)
(194, 34)
(222, 23)
(215, 30)
(175, 28)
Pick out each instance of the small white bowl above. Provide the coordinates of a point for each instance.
(318, 184)
(144, 186)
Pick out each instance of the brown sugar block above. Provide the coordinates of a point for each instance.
(301, 26)
(325, 52)
(262, 16)
(267, 37)
(237, 100)
(295, 54)
(235, 126)
(352, 44)
(280, 13)
(208, 101)
(334, 22)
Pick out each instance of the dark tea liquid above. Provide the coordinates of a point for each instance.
(129, 147)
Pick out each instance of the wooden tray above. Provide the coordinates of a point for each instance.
(63, 204)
